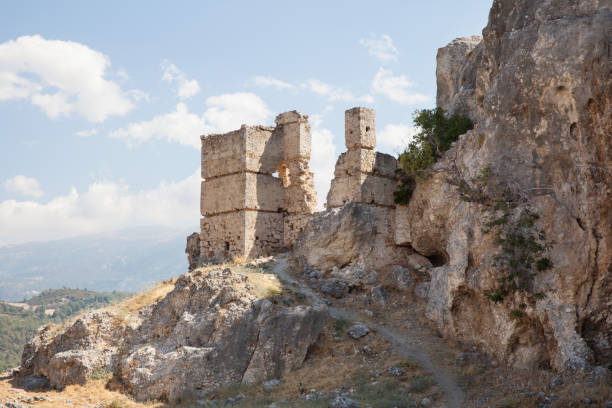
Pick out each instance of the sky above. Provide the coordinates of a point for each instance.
(102, 103)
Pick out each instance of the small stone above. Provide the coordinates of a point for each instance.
(555, 383)
(334, 288)
(425, 402)
(269, 385)
(379, 294)
(33, 382)
(396, 371)
(422, 290)
(368, 313)
(358, 331)
(601, 373)
(343, 402)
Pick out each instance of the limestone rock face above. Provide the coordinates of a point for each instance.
(210, 330)
(70, 356)
(539, 88)
(352, 234)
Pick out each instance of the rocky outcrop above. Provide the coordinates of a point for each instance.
(539, 88)
(352, 234)
(213, 329)
(192, 249)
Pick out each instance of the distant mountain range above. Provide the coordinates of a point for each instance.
(128, 260)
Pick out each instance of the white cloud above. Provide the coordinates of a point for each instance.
(264, 81)
(225, 112)
(26, 186)
(186, 87)
(60, 77)
(334, 93)
(396, 88)
(86, 132)
(229, 111)
(322, 159)
(179, 126)
(104, 206)
(393, 139)
(381, 47)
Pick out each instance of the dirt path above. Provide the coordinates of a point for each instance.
(418, 343)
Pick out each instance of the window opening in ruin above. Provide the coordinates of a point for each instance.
(227, 246)
(283, 173)
(367, 128)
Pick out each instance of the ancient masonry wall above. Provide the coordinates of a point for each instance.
(245, 207)
(248, 211)
(362, 175)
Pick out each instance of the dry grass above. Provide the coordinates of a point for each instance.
(143, 299)
(264, 284)
(91, 394)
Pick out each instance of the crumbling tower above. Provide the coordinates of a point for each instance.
(246, 208)
(362, 175)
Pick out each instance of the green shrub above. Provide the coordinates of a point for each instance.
(437, 133)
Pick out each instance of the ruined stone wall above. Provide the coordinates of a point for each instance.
(362, 175)
(244, 205)
(249, 212)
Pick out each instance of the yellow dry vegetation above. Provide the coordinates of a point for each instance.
(143, 299)
(94, 393)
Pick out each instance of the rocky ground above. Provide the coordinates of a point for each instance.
(373, 350)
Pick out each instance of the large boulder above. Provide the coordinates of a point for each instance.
(539, 88)
(352, 234)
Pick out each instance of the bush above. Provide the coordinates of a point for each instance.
(437, 133)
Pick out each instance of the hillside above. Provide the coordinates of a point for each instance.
(19, 321)
(128, 260)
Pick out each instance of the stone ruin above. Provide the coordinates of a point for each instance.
(258, 192)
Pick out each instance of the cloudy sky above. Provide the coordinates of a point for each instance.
(102, 103)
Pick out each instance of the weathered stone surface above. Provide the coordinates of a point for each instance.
(293, 225)
(68, 356)
(360, 128)
(364, 161)
(358, 331)
(361, 188)
(351, 234)
(250, 148)
(192, 249)
(456, 79)
(238, 168)
(211, 330)
(334, 287)
(263, 233)
(255, 192)
(542, 103)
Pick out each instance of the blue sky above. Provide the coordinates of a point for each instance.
(102, 103)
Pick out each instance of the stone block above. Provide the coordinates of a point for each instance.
(301, 199)
(355, 161)
(222, 235)
(290, 117)
(361, 188)
(293, 226)
(241, 191)
(402, 226)
(263, 233)
(360, 128)
(250, 148)
(297, 140)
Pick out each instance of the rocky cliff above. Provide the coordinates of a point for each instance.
(538, 163)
